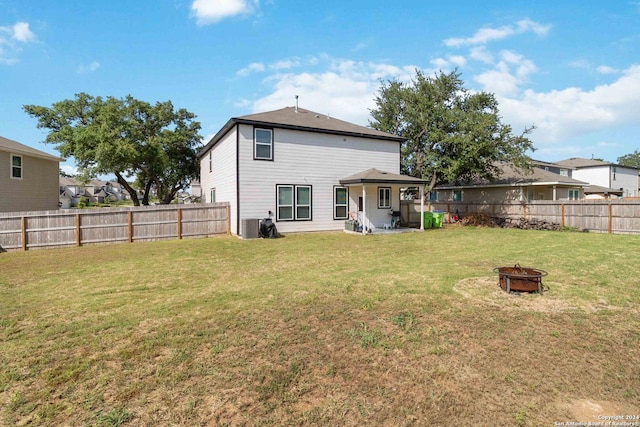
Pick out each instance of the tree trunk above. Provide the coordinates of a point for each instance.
(130, 190)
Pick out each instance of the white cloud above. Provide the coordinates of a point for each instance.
(22, 33)
(605, 69)
(485, 35)
(562, 114)
(82, 69)
(254, 67)
(452, 61)
(345, 89)
(212, 11)
(508, 75)
(69, 169)
(12, 38)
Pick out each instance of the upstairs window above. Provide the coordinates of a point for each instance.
(457, 195)
(564, 172)
(210, 162)
(384, 197)
(263, 144)
(16, 166)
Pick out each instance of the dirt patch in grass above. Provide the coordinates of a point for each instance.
(485, 291)
(585, 411)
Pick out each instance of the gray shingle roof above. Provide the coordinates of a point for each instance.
(578, 162)
(512, 176)
(305, 120)
(376, 176)
(18, 148)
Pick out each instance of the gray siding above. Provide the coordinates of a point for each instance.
(223, 175)
(306, 158)
(37, 190)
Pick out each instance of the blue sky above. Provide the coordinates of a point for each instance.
(572, 68)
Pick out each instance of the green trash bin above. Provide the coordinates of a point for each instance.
(438, 218)
(427, 220)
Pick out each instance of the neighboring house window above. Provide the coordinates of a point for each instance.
(457, 195)
(384, 197)
(263, 144)
(16, 166)
(574, 194)
(540, 196)
(293, 203)
(433, 196)
(529, 194)
(210, 162)
(212, 195)
(340, 203)
(614, 172)
(564, 172)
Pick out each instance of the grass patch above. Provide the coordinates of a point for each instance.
(319, 328)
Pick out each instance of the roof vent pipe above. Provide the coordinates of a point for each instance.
(296, 103)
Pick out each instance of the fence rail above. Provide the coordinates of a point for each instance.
(602, 216)
(72, 227)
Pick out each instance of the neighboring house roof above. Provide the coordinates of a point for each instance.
(596, 189)
(301, 119)
(578, 162)
(18, 148)
(511, 176)
(375, 176)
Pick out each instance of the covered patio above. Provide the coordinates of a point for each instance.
(374, 199)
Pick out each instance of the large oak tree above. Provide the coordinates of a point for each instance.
(452, 135)
(126, 137)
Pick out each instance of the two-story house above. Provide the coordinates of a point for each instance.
(28, 178)
(305, 170)
(604, 174)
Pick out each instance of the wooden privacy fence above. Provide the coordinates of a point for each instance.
(46, 229)
(602, 216)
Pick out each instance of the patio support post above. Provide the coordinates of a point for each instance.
(422, 207)
(364, 208)
(554, 193)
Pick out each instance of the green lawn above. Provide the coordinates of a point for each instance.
(322, 329)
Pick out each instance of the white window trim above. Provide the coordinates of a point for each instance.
(278, 205)
(336, 205)
(256, 143)
(573, 191)
(381, 197)
(295, 205)
(11, 166)
(300, 205)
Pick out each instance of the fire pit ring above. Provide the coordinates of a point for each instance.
(520, 279)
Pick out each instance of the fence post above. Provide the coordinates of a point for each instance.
(78, 230)
(130, 225)
(23, 226)
(228, 220)
(179, 223)
(562, 208)
(610, 218)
